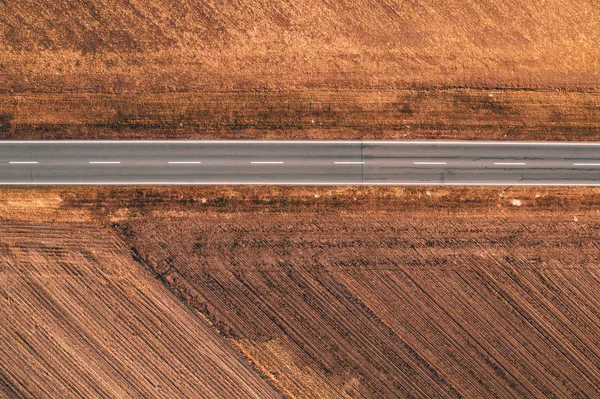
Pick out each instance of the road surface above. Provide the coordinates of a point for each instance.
(299, 162)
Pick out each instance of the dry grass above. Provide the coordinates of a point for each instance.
(298, 69)
(314, 114)
(213, 45)
(108, 203)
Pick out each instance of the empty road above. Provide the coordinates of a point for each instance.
(299, 162)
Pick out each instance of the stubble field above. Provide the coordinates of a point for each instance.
(297, 69)
(467, 114)
(183, 45)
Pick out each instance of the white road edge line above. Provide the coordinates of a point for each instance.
(510, 163)
(183, 162)
(105, 162)
(266, 162)
(349, 162)
(586, 164)
(430, 163)
(198, 183)
(23, 162)
(415, 142)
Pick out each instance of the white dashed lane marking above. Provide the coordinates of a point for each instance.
(510, 163)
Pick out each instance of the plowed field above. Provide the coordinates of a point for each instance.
(345, 292)
(388, 305)
(382, 292)
(80, 318)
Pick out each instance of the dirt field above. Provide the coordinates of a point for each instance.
(358, 292)
(387, 303)
(80, 318)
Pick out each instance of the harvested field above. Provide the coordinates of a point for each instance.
(311, 114)
(80, 318)
(297, 69)
(183, 45)
(383, 292)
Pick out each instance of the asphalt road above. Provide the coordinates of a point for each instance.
(299, 162)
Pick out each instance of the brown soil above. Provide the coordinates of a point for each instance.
(79, 317)
(314, 114)
(165, 45)
(364, 292)
(380, 300)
